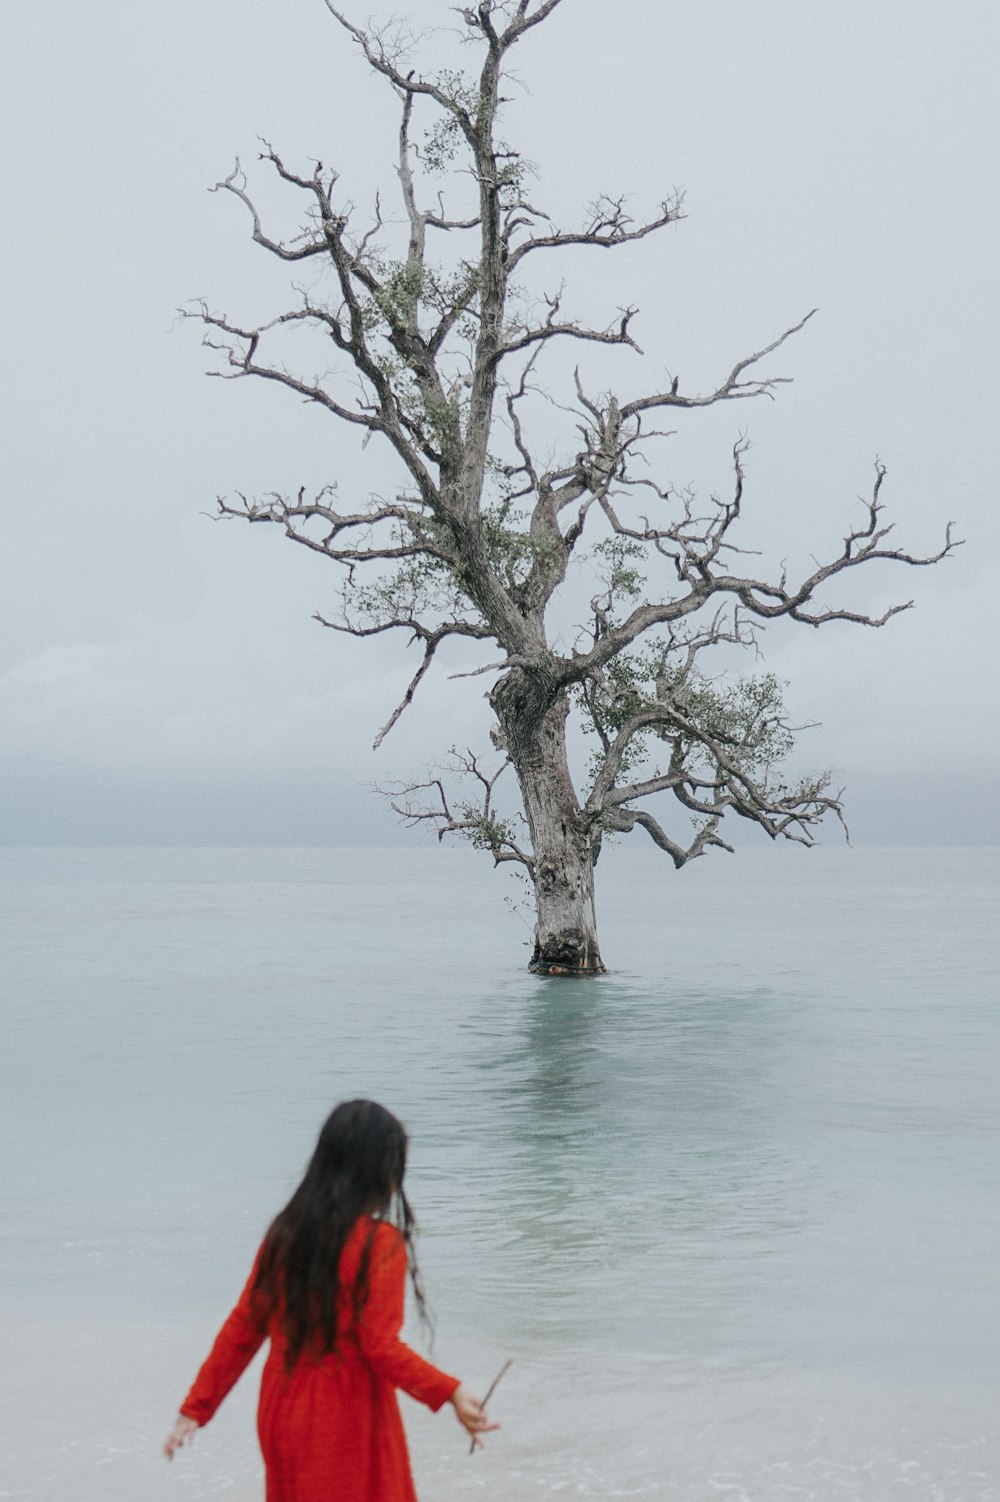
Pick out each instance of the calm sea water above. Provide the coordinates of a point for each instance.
(734, 1209)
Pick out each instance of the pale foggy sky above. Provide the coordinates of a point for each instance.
(161, 680)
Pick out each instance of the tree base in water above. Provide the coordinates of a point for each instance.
(567, 953)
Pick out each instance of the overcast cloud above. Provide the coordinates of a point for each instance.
(160, 678)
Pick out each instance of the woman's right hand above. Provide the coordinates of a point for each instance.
(471, 1414)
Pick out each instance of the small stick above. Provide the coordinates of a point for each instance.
(490, 1391)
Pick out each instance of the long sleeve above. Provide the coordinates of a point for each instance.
(382, 1319)
(235, 1346)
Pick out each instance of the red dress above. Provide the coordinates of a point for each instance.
(330, 1429)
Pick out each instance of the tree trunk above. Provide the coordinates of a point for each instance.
(535, 733)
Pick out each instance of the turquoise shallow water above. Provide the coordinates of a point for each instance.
(733, 1208)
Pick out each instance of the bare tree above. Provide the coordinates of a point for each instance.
(437, 354)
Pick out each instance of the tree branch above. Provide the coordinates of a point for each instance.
(431, 638)
(373, 46)
(292, 516)
(626, 819)
(552, 330)
(609, 227)
(477, 823)
(731, 389)
(861, 545)
(522, 22)
(762, 598)
(236, 183)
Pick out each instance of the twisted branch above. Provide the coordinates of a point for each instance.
(480, 825)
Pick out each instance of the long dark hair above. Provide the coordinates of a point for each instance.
(357, 1169)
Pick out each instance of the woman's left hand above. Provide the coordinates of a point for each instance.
(181, 1434)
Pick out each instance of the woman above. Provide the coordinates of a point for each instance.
(327, 1290)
